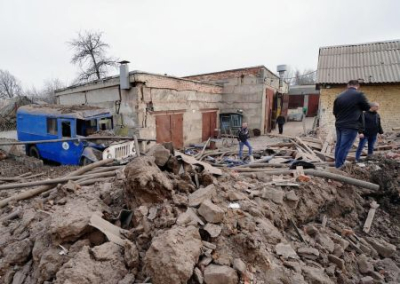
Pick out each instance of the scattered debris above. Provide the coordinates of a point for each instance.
(166, 218)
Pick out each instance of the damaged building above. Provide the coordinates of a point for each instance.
(152, 106)
(376, 65)
(258, 92)
(182, 110)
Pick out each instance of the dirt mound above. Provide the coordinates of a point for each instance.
(146, 183)
(163, 220)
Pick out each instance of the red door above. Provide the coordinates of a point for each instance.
(285, 105)
(209, 124)
(169, 128)
(313, 103)
(296, 101)
(177, 130)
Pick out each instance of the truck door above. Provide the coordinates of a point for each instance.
(69, 151)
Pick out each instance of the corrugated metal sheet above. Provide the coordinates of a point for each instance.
(377, 62)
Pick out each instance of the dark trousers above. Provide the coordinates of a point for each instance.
(280, 127)
(345, 138)
(371, 139)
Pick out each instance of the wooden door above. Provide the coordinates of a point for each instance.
(285, 105)
(209, 124)
(296, 101)
(169, 128)
(313, 102)
(268, 110)
(177, 130)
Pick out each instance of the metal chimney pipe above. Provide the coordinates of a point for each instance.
(124, 75)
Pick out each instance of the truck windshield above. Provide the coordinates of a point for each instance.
(106, 123)
(86, 127)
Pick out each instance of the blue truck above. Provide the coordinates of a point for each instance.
(59, 122)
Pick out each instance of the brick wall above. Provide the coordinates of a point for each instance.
(388, 97)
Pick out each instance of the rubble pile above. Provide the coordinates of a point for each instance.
(8, 112)
(167, 218)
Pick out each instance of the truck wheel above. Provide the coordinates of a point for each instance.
(34, 152)
(85, 161)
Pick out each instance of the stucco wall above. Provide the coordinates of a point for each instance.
(250, 99)
(245, 89)
(388, 96)
(190, 103)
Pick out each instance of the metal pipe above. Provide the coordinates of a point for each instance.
(76, 139)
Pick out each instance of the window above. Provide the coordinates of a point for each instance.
(236, 121)
(106, 123)
(52, 126)
(86, 127)
(66, 129)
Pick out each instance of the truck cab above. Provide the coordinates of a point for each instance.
(55, 122)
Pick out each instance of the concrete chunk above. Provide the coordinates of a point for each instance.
(213, 230)
(239, 265)
(202, 194)
(285, 250)
(384, 248)
(211, 212)
(217, 274)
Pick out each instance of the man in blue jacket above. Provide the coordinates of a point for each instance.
(347, 109)
(243, 135)
(370, 126)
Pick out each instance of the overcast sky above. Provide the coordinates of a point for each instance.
(185, 37)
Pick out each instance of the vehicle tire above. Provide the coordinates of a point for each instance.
(85, 161)
(34, 152)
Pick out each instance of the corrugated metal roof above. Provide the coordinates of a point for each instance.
(377, 62)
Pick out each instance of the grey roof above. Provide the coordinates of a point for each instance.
(232, 70)
(303, 90)
(376, 62)
(135, 72)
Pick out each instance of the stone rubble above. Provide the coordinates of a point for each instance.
(176, 231)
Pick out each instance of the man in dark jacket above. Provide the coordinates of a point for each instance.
(243, 135)
(370, 126)
(347, 109)
(280, 120)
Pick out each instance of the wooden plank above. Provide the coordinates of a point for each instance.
(191, 160)
(278, 161)
(112, 232)
(370, 218)
(317, 146)
(324, 154)
(328, 141)
(299, 140)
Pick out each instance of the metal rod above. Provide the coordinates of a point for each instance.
(75, 139)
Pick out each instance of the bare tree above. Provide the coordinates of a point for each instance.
(45, 93)
(307, 77)
(32, 92)
(90, 55)
(9, 85)
(289, 76)
(51, 86)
